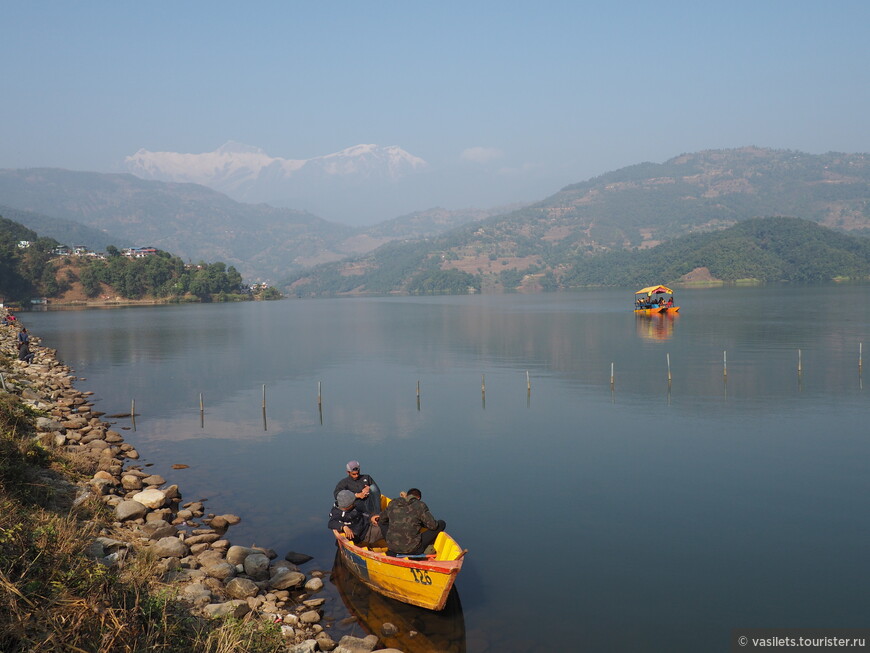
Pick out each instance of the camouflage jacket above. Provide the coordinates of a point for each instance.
(402, 520)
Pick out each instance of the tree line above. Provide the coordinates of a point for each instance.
(33, 271)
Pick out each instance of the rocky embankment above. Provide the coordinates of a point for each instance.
(213, 577)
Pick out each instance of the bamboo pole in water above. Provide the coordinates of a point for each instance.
(669, 368)
(528, 383)
(800, 365)
(319, 396)
(611, 376)
(725, 364)
(860, 356)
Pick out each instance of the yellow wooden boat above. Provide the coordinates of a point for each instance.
(416, 629)
(424, 581)
(654, 299)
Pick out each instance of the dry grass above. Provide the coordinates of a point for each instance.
(53, 598)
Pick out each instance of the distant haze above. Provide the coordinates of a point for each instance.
(360, 185)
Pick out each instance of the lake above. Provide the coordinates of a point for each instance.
(647, 515)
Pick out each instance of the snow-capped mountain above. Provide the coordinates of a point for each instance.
(249, 173)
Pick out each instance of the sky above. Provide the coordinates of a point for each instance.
(509, 100)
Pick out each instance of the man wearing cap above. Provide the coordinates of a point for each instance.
(365, 490)
(346, 519)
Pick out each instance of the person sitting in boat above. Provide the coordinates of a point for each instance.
(346, 519)
(401, 522)
(363, 486)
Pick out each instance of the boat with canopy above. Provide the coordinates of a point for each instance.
(654, 299)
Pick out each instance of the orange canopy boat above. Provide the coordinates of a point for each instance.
(655, 299)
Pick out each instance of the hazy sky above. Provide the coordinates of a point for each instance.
(524, 97)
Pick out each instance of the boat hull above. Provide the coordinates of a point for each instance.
(422, 582)
(657, 309)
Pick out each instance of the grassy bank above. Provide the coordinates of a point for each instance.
(54, 595)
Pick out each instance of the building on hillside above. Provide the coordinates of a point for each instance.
(139, 252)
(23, 244)
(61, 250)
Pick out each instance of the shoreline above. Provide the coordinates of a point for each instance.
(209, 575)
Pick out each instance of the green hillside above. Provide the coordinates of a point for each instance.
(633, 209)
(35, 271)
(762, 249)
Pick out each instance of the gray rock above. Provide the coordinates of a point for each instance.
(150, 498)
(206, 538)
(297, 558)
(236, 554)
(350, 644)
(286, 579)
(154, 480)
(314, 585)
(241, 588)
(166, 530)
(220, 570)
(130, 510)
(310, 617)
(131, 482)
(308, 646)
(169, 547)
(257, 566)
(235, 608)
(47, 424)
(196, 593)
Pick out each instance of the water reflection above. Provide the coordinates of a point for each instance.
(418, 630)
(656, 327)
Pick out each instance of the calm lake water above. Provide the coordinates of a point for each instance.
(646, 517)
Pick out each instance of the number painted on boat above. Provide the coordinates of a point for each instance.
(421, 576)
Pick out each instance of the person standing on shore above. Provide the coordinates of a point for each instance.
(364, 488)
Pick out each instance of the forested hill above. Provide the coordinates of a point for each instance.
(634, 208)
(29, 268)
(761, 249)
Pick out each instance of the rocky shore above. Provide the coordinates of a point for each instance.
(211, 576)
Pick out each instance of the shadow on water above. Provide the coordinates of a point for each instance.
(418, 630)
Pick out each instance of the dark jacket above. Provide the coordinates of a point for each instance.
(357, 521)
(402, 521)
(356, 485)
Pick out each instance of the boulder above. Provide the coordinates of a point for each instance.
(241, 588)
(169, 547)
(297, 558)
(151, 498)
(130, 510)
(286, 579)
(220, 570)
(236, 554)
(257, 566)
(235, 608)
